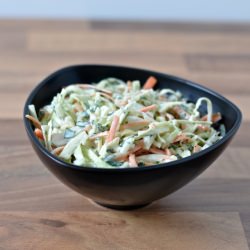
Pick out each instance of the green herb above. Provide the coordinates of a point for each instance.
(101, 128)
(84, 114)
(115, 163)
(141, 164)
(111, 151)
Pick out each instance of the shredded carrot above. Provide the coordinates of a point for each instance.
(132, 161)
(107, 96)
(178, 112)
(215, 117)
(129, 85)
(197, 148)
(181, 138)
(155, 150)
(113, 128)
(102, 134)
(134, 125)
(203, 128)
(168, 152)
(141, 151)
(35, 122)
(78, 107)
(89, 86)
(150, 83)
(148, 108)
(38, 133)
(138, 147)
(58, 150)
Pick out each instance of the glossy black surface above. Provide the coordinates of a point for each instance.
(131, 187)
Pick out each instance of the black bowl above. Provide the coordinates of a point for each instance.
(131, 187)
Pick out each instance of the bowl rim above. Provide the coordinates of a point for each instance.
(175, 163)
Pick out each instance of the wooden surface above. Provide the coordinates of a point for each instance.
(39, 212)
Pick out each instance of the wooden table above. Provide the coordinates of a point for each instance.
(39, 212)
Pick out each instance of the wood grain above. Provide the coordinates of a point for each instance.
(229, 63)
(39, 212)
(122, 230)
(109, 40)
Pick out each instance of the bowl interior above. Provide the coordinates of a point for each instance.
(49, 87)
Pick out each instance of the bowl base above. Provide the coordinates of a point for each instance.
(118, 207)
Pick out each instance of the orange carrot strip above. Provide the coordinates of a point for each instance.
(132, 161)
(155, 150)
(102, 134)
(38, 133)
(215, 117)
(150, 83)
(107, 96)
(203, 128)
(78, 107)
(197, 148)
(89, 86)
(181, 138)
(35, 122)
(178, 112)
(148, 108)
(129, 85)
(58, 150)
(141, 151)
(168, 152)
(134, 125)
(138, 147)
(113, 128)
(135, 149)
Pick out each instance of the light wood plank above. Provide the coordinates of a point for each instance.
(243, 102)
(232, 164)
(11, 105)
(17, 76)
(43, 192)
(99, 41)
(245, 218)
(188, 27)
(228, 63)
(122, 230)
(224, 83)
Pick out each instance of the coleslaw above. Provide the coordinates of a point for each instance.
(117, 124)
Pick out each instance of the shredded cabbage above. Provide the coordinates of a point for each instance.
(114, 124)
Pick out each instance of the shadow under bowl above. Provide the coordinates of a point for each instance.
(130, 187)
